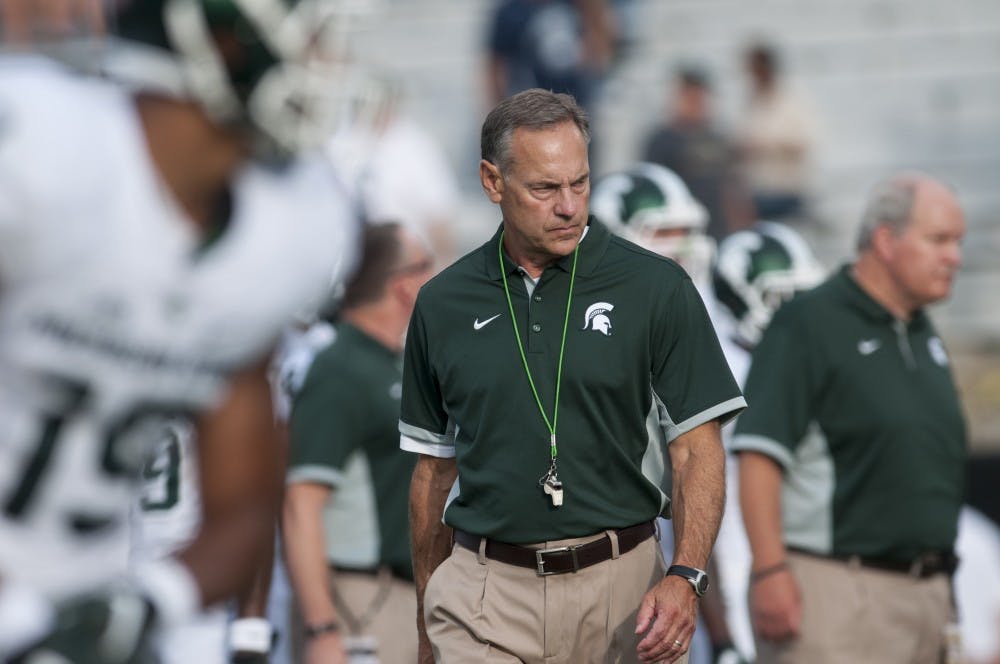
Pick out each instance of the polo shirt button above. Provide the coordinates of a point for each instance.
(536, 328)
(538, 298)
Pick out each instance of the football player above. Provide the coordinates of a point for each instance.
(756, 271)
(742, 283)
(651, 206)
(154, 239)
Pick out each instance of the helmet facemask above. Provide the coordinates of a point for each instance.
(650, 205)
(252, 65)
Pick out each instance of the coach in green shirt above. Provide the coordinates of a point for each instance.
(546, 370)
(853, 450)
(345, 513)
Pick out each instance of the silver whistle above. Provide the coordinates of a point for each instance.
(553, 487)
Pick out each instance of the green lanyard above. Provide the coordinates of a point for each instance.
(562, 347)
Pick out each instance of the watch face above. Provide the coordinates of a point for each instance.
(696, 577)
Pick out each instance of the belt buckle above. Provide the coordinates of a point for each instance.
(540, 558)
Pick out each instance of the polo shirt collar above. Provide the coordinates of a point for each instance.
(858, 298)
(593, 244)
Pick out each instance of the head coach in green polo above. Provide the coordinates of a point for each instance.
(544, 372)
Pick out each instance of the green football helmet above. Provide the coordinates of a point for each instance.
(756, 271)
(650, 205)
(259, 65)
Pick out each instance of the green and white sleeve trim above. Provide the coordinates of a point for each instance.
(314, 474)
(422, 441)
(763, 445)
(723, 412)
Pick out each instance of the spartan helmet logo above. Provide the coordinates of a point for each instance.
(597, 319)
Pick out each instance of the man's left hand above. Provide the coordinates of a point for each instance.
(667, 616)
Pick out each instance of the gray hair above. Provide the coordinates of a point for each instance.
(531, 109)
(889, 204)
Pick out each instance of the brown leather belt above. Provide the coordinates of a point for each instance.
(923, 566)
(562, 559)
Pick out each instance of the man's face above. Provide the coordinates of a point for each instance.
(924, 258)
(544, 193)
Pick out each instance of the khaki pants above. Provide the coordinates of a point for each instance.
(381, 606)
(855, 615)
(482, 611)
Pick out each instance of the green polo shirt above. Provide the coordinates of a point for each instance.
(642, 366)
(861, 412)
(344, 435)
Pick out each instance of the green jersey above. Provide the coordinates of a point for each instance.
(642, 365)
(861, 412)
(344, 435)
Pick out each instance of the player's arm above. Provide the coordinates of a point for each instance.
(251, 635)
(430, 538)
(304, 541)
(240, 463)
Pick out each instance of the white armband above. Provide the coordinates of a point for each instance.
(251, 635)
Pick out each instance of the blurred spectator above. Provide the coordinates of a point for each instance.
(776, 137)
(558, 45)
(689, 144)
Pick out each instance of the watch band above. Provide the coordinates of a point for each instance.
(698, 578)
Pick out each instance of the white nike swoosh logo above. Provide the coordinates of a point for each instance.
(868, 346)
(476, 325)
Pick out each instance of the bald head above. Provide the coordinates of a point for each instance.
(894, 202)
(910, 244)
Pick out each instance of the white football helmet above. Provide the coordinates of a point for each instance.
(651, 206)
(268, 66)
(758, 269)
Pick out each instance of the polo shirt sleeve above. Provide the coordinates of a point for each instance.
(423, 423)
(692, 382)
(780, 388)
(326, 426)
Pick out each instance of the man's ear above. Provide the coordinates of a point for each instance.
(492, 180)
(884, 241)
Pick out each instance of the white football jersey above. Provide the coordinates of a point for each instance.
(168, 510)
(113, 313)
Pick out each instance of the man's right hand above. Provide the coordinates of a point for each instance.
(776, 606)
(326, 649)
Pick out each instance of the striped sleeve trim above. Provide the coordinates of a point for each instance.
(408, 444)
(313, 473)
(763, 445)
(723, 412)
(422, 441)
